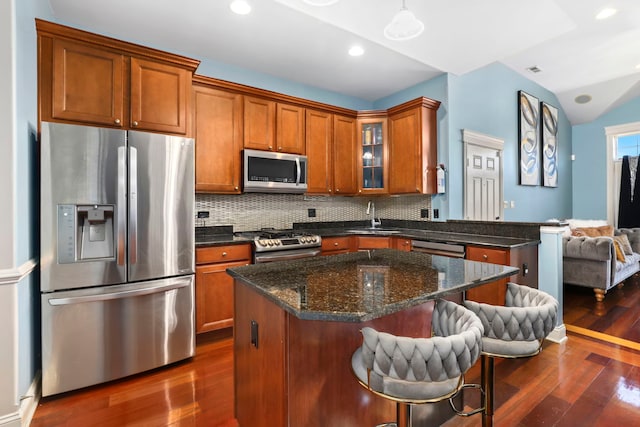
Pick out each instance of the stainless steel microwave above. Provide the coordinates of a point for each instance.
(267, 172)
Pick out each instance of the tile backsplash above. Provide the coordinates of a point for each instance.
(253, 211)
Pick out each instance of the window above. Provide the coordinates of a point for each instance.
(627, 145)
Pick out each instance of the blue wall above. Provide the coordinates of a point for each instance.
(485, 101)
(590, 167)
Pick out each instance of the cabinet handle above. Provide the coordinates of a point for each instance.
(279, 148)
(224, 254)
(270, 148)
(235, 188)
(337, 190)
(135, 123)
(335, 243)
(485, 257)
(117, 121)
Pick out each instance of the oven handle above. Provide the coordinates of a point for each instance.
(291, 255)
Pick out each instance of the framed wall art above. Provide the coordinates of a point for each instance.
(528, 131)
(549, 135)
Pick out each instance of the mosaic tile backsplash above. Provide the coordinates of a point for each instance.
(247, 212)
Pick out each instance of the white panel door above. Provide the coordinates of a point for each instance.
(483, 200)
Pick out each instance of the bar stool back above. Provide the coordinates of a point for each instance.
(420, 370)
(514, 330)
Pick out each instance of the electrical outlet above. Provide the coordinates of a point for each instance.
(436, 213)
(203, 214)
(311, 212)
(424, 213)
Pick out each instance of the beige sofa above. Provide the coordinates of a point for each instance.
(593, 261)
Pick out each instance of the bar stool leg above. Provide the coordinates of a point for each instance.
(403, 412)
(487, 379)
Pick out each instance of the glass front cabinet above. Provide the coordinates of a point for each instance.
(373, 155)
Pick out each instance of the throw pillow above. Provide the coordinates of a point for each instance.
(605, 230)
(619, 251)
(624, 243)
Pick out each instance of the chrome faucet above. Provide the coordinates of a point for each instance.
(371, 208)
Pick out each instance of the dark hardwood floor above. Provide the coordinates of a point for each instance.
(590, 380)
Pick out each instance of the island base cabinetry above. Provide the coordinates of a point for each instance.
(294, 372)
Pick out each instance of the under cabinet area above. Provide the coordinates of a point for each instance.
(85, 78)
(214, 287)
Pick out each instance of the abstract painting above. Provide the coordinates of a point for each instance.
(549, 132)
(528, 131)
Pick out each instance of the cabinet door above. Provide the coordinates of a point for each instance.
(345, 181)
(87, 84)
(366, 242)
(290, 129)
(214, 296)
(259, 123)
(319, 136)
(159, 96)
(405, 165)
(372, 158)
(336, 245)
(402, 244)
(491, 293)
(218, 134)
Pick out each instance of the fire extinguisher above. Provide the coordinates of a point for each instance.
(440, 178)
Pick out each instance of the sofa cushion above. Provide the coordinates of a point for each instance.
(624, 243)
(619, 251)
(604, 230)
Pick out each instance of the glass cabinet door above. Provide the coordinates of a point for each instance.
(373, 153)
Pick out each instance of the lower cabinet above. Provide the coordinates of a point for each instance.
(401, 244)
(525, 258)
(336, 245)
(214, 287)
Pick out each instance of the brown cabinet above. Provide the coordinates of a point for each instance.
(413, 147)
(85, 78)
(363, 243)
(218, 135)
(336, 245)
(525, 258)
(214, 287)
(401, 244)
(319, 144)
(273, 126)
(345, 181)
(373, 172)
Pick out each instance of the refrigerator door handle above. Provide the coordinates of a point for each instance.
(119, 295)
(133, 205)
(122, 204)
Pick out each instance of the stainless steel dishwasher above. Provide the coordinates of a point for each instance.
(435, 248)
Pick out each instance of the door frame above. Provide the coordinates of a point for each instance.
(484, 141)
(612, 133)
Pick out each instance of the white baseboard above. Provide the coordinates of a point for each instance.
(10, 420)
(558, 335)
(29, 402)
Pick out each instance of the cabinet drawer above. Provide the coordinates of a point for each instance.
(493, 256)
(229, 253)
(336, 243)
(373, 242)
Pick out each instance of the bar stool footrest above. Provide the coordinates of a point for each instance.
(473, 411)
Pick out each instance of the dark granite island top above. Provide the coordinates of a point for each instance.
(362, 286)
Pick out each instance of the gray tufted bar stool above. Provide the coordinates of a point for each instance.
(514, 330)
(420, 370)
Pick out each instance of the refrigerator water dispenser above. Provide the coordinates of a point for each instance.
(85, 233)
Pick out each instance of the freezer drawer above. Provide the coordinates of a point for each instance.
(96, 335)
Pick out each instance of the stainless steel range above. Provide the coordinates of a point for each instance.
(280, 245)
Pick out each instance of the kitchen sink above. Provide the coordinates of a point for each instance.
(370, 230)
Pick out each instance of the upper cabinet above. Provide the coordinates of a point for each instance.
(319, 146)
(372, 155)
(345, 162)
(413, 147)
(218, 134)
(85, 78)
(273, 126)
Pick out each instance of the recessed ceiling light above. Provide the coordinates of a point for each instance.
(605, 13)
(638, 66)
(356, 51)
(582, 99)
(241, 7)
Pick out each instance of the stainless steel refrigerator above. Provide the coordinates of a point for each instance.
(117, 253)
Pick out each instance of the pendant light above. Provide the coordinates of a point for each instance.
(404, 25)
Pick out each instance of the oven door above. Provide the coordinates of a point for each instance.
(262, 257)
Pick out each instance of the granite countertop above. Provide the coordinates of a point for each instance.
(361, 286)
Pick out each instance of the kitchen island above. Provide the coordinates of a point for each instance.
(297, 324)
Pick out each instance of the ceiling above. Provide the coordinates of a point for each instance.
(290, 39)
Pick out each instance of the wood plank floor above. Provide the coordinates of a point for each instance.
(582, 382)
